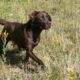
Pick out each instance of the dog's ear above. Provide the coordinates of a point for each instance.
(33, 15)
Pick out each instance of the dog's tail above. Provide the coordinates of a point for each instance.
(3, 22)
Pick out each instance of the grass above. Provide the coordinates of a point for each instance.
(59, 48)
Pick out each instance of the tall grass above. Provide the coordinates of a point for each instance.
(59, 47)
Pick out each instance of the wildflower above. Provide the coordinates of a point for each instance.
(11, 14)
(46, 58)
(56, 40)
(72, 74)
(5, 34)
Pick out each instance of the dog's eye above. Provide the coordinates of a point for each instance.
(42, 17)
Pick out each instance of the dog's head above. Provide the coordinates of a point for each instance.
(42, 19)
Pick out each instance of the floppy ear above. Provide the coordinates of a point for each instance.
(33, 15)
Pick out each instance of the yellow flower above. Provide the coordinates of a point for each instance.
(5, 34)
(72, 73)
(46, 58)
(71, 69)
(56, 40)
(11, 14)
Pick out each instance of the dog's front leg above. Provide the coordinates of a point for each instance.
(26, 58)
(32, 55)
(26, 62)
(29, 47)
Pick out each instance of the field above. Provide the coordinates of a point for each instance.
(59, 47)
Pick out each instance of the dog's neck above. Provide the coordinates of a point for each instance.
(35, 31)
(34, 27)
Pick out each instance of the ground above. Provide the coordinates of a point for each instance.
(59, 47)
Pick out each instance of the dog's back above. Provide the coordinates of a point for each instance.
(9, 26)
(3, 22)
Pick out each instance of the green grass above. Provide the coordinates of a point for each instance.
(59, 48)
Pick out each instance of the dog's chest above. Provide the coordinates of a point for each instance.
(36, 39)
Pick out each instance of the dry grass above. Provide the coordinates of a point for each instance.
(59, 47)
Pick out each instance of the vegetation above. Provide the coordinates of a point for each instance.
(59, 47)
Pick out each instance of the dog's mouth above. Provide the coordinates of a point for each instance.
(47, 26)
(44, 25)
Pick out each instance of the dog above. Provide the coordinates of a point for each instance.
(26, 35)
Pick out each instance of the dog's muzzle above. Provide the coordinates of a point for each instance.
(47, 26)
